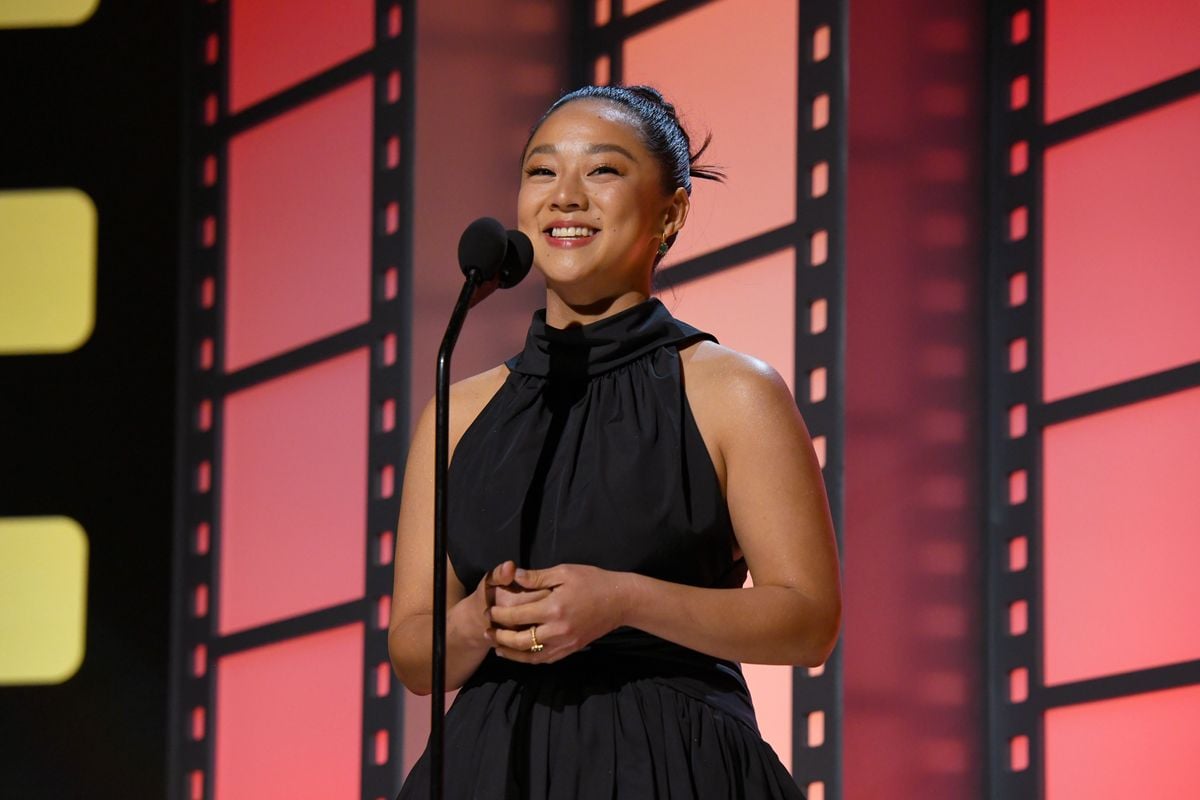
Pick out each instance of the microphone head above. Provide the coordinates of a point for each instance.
(518, 258)
(482, 247)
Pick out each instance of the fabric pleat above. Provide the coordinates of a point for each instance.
(578, 734)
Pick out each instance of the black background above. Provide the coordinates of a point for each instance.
(90, 434)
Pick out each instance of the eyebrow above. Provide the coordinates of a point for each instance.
(549, 149)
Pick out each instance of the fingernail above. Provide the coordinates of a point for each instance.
(520, 572)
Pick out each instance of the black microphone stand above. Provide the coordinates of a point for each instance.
(441, 454)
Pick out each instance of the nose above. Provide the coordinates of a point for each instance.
(568, 193)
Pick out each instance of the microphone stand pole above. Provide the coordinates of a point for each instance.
(441, 448)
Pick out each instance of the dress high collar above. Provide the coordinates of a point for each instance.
(602, 345)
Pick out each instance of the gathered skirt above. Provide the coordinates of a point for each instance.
(566, 732)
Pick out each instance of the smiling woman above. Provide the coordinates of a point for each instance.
(597, 611)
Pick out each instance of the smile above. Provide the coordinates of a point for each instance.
(570, 236)
(575, 232)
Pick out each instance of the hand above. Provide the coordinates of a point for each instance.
(579, 605)
(498, 589)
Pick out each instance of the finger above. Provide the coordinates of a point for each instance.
(524, 615)
(522, 656)
(518, 639)
(538, 578)
(502, 574)
(511, 639)
(510, 597)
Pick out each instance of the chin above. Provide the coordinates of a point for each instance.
(564, 276)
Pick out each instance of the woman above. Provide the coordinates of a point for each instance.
(603, 519)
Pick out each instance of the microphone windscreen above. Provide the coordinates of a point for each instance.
(518, 258)
(482, 247)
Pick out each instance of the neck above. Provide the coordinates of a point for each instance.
(563, 314)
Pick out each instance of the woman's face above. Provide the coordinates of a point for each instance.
(592, 203)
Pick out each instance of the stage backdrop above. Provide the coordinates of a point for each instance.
(334, 156)
(1094, 399)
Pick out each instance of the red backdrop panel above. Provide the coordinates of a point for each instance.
(1100, 49)
(1121, 237)
(704, 61)
(634, 6)
(298, 259)
(734, 303)
(274, 44)
(1139, 746)
(289, 719)
(293, 499)
(1120, 544)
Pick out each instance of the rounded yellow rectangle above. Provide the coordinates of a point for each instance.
(47, 270)
(45, 13)
(43, 599)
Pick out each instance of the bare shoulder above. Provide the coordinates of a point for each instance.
(467, 399)
(737, 400)
(721, 377)
(477, 390)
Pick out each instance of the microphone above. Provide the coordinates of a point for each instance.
(482, 247)
(518, 258)
(489, 250)
(489, 257)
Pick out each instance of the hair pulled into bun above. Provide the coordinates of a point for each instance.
(660, 129)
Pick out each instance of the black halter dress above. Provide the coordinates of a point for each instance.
(589, 454)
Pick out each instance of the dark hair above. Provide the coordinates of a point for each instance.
(660, 130)
(659, 127)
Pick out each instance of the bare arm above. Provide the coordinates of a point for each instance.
(778, 506)
(410, 632)
(779, 509)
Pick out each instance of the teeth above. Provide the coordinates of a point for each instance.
(571, 233)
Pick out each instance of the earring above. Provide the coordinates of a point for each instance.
(663, 248)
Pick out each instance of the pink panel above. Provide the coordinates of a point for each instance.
(1121, 239)
(294, 493)
(1139, 746)
(730, 67)
(1120, 544)
(771, 691)
(634, 6)
(289, 719)
(277, 43)
(299, 254)
(1100, 49)
(750, 308)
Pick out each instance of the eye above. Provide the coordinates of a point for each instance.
(606, 169)
(537, 171)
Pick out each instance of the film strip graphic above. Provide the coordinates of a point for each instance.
(1018, 414)
(600, 29)
(204, 387)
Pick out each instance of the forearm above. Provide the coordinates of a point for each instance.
(410, 644)
(760, 624)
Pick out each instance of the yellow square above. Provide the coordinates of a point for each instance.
(43, 599)
(47, 270)
(45, 13)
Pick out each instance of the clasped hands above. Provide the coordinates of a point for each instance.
(571, 605)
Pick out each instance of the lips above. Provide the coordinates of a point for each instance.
(572, 232)
(561, 234)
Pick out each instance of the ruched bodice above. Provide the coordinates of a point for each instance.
(589, 454)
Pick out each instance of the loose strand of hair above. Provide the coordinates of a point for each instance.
(705, 172)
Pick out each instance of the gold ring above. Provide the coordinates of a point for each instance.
(537, 646)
